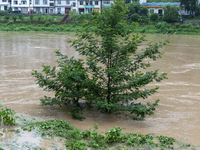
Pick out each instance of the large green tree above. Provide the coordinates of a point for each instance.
(113, 76)
(189, 5)
(170, 13)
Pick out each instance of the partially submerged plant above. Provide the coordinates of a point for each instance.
(110, 79)
(84, 139)
(7, 116)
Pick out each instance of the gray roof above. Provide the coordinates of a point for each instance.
(159, 4)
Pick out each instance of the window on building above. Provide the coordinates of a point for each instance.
(51, 4)
(4, 0)
(151, 11)
(67, 1)
(44, 2)
(127, 1)
(81, 2)
(38, 9)
(74, 5)
(91, 3)
(59, 2)
(5, 7)
(96, 2)
(59, 10)
(106, 2)
(15, 2)
(37, 2)
(23, 2)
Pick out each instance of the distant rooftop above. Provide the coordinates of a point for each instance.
(159, 4)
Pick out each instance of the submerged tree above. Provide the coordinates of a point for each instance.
(112, 77)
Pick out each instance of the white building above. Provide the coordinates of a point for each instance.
(59, 6)
(64, 6)
(4, 4)
(85, 6)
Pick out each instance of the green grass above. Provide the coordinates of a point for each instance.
(44, 18)
(160, 27)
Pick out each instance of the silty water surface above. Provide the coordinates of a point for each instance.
(178, 113)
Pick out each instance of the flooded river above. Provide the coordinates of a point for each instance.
(178, 113)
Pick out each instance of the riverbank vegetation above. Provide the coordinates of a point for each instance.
(157, 27)
(152, 27)
(75, 139)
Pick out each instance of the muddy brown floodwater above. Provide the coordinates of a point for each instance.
(178, 113)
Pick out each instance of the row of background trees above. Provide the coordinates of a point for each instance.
(136, 14)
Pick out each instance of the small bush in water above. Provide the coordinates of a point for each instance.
(7, 116)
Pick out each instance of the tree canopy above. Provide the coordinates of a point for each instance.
(189, 5)
(170, 13)
(112, 77)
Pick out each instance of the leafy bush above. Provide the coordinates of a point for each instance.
(135, 17)
(39, 17)
(3, 13)
(196, 27)
(9, 23)
(144, 11)
(162, 25)
(154, 17)
(113, 135)
(31, 16)
(47, 23)
(144, 19)
(7, 116)
(7, 17)
(186, 25)
(189, 25)
(177, 25)
(21, 17)
(14, 17)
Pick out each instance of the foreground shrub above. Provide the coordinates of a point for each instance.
(7, 116)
